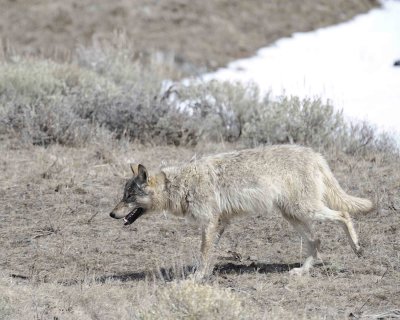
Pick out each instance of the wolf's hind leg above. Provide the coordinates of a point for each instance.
(306, 232)
(344, 219)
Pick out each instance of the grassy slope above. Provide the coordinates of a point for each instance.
(196, 31)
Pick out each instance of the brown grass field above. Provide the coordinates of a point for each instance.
(63, 257)
(71, 123)
(194, 32)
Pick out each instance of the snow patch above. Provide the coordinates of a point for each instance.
(350, 64)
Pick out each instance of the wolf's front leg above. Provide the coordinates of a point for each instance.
(223, 223)
(209, 234)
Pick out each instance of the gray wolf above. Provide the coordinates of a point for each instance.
(212, 190)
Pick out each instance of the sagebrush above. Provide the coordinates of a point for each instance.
(106, 90)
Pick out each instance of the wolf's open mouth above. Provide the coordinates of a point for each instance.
(132, 216)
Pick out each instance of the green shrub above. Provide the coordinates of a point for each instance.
(37, 99)
(43, 102)
(291, 120)
(107, 90)
(220, 110)
(233, 112)
(41, 80)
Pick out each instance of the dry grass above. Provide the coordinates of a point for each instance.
(116, 300)
(62, 256)
(68, 132)
(70, 127)
(193, 35)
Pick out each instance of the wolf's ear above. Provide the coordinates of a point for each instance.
(142, 174)
(135, 169)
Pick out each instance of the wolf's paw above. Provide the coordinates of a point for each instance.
(298, 272)
(199, 277)
(359, 251)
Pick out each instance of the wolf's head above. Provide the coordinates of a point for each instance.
(137, 198)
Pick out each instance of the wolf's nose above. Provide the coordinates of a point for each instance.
(112, 215)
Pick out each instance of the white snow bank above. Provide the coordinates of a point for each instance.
(350, 64)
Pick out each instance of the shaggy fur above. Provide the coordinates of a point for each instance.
(212, 190)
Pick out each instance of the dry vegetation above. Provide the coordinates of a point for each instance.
(192, 33)
(69, 129)
(105, 93)
(68, 132)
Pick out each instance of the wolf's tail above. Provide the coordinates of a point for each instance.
(337, 199)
